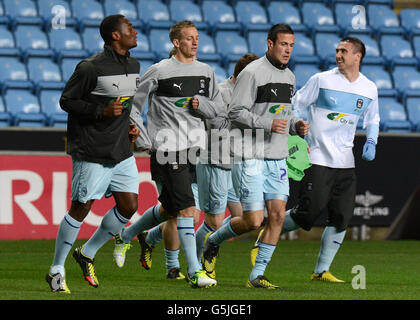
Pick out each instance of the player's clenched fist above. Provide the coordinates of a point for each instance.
(302, 127)
(279, 126)
(113, 109)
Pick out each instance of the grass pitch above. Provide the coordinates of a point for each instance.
(391, 273)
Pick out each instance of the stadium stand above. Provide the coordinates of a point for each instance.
(228, 29)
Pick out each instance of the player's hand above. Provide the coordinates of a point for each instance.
(194, 103)
(369, 150)
(113, 109)
(279, 126)
(302, 127)
(134, 132)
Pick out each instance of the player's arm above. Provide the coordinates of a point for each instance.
(243, 98)
(148, 84)
(371, 123)
(297, 125)
(306, 96)
(73, 97)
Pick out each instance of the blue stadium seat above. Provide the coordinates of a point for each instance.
(397, 51)
(257, 41)
(144, 65)
(384, 20)
(381, 78)
(22, 12)
(416, 46)
(220, 72)
(352, 18)
(325, 44)
(6, 119)
(303, 72)
(406, 80)
(44, 73)
(154, 14)
(124, 7)
(413, 111)
(303, 50)
(318, 17)
(89, 13)
(252, 16)
(410, 19)
(207, 49)
(142, 51)
(92, 40)
(187, 10)
(67, 67)
(393, 116)
(50, 106)
(7, 43)
(51, 12)
(4, 19)
(32, 42)
(25, 108)
(13, 74)
(230, 45)
(67, 43)
(285, 12)
(160, 43)
(219, 15)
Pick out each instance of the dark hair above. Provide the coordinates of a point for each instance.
(278, 28)
(243, 62)
(358, 45)
(109, 25)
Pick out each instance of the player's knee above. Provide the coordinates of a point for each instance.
(128, 208)
(277, 217)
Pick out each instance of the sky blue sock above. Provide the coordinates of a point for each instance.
(67, 234)
(265, 252)
(199, 238)
(150, 218)
(111, 224)
(224, 233)
(186, 232)
(227, 219)
(154, 236)
(330, 243)
(171, 259)
(289, 224)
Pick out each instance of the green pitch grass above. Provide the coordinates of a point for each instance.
(392, 272)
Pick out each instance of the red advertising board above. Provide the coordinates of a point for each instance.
(35, 195)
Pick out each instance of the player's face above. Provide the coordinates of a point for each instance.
(346, 57)
(128, 36)
(281, 50)
(188, 44)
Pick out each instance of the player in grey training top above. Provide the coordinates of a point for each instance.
(261, 115)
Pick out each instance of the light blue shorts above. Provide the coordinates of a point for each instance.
(256, 181)
(215, 188)
(194, 189)
(93, 180)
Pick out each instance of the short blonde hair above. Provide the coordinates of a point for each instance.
(175, 32)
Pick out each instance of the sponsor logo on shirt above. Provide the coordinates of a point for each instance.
(183, 103)
(276, 109)
(339, 117)
(125, 101)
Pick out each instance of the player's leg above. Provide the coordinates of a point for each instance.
(124, 186)
(276, 192)
(172, 245)
(89, 182)
(340, 211)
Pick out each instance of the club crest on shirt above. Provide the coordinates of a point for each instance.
(359, 105)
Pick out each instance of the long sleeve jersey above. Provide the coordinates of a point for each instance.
(261, 94)
(95, 82)
(172, 124)
(335, 106)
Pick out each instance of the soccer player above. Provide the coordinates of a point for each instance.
(214, 171)
(97, 98)
(336, 100)
(182, 91)
(261, 113)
